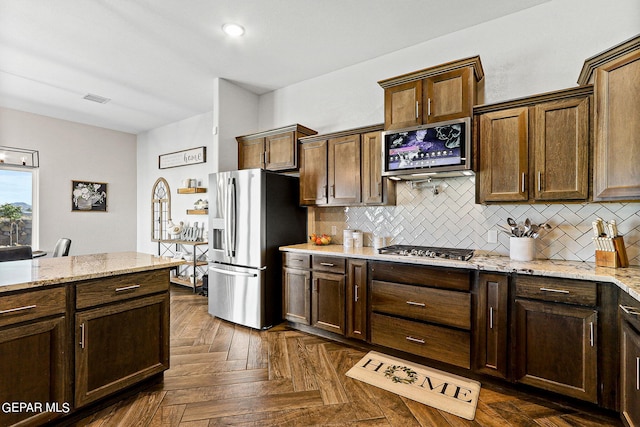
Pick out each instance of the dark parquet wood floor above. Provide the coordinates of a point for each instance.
(227, 375)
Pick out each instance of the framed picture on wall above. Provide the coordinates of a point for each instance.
(88, 196)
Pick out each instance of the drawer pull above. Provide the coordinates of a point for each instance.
(327, 264)
(356, 293)
(630, 310)
(127, 288)
(637, 373)
(417, 304)
(559, 291)
(415, 340)
(296, 259)
(591, 333)
(13, 310)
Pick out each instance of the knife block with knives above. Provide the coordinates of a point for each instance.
(610, 249)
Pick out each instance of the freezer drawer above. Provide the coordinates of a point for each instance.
(237, 294)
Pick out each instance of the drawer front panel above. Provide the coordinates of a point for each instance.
(297, 260)
(329, 263)
(428, 304)
(434, 342)
(31, 305)
(557, 290)
(629, 309)
(117, 288)
(421, 275)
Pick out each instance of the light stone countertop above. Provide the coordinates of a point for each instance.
(627, 279)
(33, 273)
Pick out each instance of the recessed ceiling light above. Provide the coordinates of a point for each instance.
(233, 30)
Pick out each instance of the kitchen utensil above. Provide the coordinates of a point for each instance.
(513, 225)
(614, 227)
(527, 227)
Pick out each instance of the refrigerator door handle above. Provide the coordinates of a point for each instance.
(232, 217)
(232, 273)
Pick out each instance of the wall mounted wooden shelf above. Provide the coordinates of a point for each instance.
(192, 190)
(197, 211)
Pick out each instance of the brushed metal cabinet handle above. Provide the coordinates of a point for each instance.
(417, 109)
(327, 264)
(417, 304)
(429, 107)
(490, 317)
(356, 293)
(415, 340)
(266, 157)
(630, 310)
(637, 373)
(539, 182)
(591, 333)
(522, 184)
(559, 291)
(82, 336)
(14, 310)
(127, 288)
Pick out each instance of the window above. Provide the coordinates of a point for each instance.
(18, 206)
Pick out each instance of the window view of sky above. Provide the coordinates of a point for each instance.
(15, 186)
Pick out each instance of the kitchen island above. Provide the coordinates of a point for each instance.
(76, 330)
(566, 327)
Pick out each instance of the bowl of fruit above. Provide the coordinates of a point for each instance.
(320, 239)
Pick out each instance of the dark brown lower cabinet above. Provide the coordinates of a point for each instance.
(33, 371)
(630, 361)
(556, 348)
(296, 288)
(491, 327)
(356, 301)
(327, 301)
(120, 344)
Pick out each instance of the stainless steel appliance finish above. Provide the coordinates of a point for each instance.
(251, 214)
(428, 251)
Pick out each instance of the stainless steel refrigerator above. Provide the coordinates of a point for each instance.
(251, 214)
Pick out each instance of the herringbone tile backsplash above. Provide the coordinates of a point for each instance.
(452, 219)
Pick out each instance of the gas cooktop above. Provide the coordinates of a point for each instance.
(428, 251)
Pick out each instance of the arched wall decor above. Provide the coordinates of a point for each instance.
(160, 210)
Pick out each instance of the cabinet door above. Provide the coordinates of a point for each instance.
(448, 96)
(34, 369)
(561, 150)
(251, 153)
(504, 158)
(402, 105)
(372, 188)
(616, 156)
(356, 302)
(344, 170)
(281, 151)
(630, 375)
(296, 302)
(556, 348)
(120, 344)
(313, 173)
(327, 302)
(492, 328)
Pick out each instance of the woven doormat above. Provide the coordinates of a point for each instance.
(441, 390)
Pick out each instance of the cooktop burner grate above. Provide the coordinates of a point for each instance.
(428, 251)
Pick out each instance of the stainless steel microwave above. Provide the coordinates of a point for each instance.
(428, 150)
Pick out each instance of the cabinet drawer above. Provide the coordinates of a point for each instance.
(428, 304)
(117, 288)
(421, 275)
(434, 342)
(329, 263)
(557, 290)
(297, 260)
(629, 308)
(31, 305)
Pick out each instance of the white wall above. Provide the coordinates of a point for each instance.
(73, 151)
(533, 51)
(189, 133)
(234, 113)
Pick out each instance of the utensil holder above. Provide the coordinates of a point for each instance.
(616, 258)
(522, 248)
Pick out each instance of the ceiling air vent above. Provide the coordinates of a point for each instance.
(96, 98)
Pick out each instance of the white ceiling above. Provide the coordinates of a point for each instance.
(157, 59)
